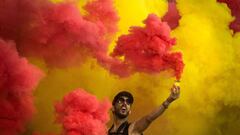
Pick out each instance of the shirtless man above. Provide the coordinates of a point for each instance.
(121, 109)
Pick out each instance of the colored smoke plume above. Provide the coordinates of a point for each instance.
(234, 5)
(147, 49)
(63, 36)
(81, 113)
(210, 101)
(18, 78)
(172, 16)
(49, 30)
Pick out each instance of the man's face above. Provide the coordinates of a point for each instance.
(122, 107)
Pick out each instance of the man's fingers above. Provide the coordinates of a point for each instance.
(172, 89)
(178, 89)
(175, 90)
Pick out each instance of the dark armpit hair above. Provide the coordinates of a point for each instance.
(121, 94)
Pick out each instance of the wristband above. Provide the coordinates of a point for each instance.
(165, 104)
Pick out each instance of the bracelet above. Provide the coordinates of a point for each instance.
(170, 100)
(165, 104)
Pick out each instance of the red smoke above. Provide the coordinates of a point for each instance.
(80, 113)
(58, 33)
(148, 49)
(18, 78)
(62, 36)
(103, 12)
(172, 16)
(234, 5)
(15, 16)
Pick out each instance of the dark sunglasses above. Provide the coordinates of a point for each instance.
(122, 100)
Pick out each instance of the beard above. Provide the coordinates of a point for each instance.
(121, 116)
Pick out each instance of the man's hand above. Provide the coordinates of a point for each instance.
(175, 93)
(143, 123)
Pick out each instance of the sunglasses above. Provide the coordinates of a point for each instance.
(121, 100)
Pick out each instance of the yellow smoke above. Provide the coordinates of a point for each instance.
(210, 93)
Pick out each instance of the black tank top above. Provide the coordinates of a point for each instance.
(122, 130)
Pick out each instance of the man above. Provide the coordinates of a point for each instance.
(122, 103)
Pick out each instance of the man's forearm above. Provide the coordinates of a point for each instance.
(145, 121)
(156, 113)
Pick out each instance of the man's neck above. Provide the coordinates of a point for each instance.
(117, 122)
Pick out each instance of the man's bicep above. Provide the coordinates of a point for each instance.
(140, 125)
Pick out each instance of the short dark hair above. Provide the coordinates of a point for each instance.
(121, 94)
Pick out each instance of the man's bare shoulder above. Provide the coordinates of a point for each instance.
(131, 129)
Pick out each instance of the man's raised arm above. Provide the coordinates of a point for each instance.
(143, 123)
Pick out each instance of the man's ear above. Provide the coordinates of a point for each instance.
(113, 109)
(130, 112)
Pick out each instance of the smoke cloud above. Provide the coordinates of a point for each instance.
(18, 80)
(209, 102)
(80, 113)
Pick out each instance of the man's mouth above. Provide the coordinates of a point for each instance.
(123, 108)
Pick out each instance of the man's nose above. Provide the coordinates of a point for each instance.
(125, 102)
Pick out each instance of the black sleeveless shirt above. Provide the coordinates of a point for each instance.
(122, 130)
